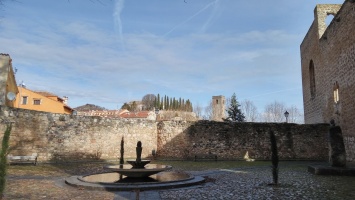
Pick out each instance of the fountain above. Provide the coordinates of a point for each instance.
(138, 168)
(138, 174)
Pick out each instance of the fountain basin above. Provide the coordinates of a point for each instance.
(115, 182)
(129, 171)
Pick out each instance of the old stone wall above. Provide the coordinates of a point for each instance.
(66, 137)
(332, 51)
(58, 137)
(232, 140)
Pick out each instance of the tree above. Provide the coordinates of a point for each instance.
(126, 106)
(274, 158)
(134, 107)
(198, 111)
(208, 111)
(274, 112)
(250, 111)
(161, 107)
(188, 106)
(295, 115)
(157, 102)
(148, 101)
(233, 111)
(3, 159)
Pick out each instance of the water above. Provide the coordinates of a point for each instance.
(113, 177)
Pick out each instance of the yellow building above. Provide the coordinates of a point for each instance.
(8, 88)
(41, 101)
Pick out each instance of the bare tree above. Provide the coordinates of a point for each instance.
(226, 105)
(148, 101)
(250, 111)
(208, 111)
(274, 112)
(198, 110)
(295, 115)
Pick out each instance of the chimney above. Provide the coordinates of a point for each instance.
(65, 100)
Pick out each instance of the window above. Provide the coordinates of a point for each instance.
(24, 100)
(36, 101)
(312, 79)
(336, 92)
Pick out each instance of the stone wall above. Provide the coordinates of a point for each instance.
(57, 137)
(332, 51)
(67, 137)
(232, 140)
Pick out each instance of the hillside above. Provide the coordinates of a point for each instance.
(88, 107)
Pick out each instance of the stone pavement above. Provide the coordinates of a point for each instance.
(252, 183)
(237, 183)
(145, 195)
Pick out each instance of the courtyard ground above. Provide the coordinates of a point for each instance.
(224, 180)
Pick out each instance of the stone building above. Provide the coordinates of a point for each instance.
(218, 108)
(328, 70)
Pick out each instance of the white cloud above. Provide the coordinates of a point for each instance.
(118, 8)
(85, 62)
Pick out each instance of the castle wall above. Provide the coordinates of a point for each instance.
(58, 137)
(333, 55)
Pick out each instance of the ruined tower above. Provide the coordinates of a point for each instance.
(328, 70)
(218, 108)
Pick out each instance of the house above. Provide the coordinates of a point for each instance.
(328, 70)
(150, 115)
(8, 86)
(103, 113)
(41, 101)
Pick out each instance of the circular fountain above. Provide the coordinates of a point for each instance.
(129, 171)
(138, 174)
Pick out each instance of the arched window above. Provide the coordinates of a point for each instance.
(336, 92)
(312, 80)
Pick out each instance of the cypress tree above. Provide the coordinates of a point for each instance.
(166, 102)
(157, 101)
(3, 159)
(179, 104)
(274, 158)
(122, 151)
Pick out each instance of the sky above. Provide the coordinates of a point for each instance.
(108, 52)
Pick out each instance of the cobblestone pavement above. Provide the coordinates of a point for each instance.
(237, 183)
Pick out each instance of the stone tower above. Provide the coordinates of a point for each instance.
(328, 70)
(218, 108)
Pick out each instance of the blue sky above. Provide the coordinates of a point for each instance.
(109, 52)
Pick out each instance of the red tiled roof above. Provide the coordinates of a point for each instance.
(46, 94)
(140, 114)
